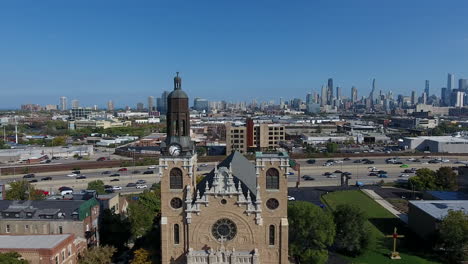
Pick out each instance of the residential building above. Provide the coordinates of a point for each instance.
(110, 106)
(151, 103)
(63, 103)
(75, 104)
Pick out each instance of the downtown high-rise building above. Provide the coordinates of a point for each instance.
(463, 84)
(151, 103)
(162, 103)
(140, 106)
(354, 94)
(413, 98)
(330, 91)
(338, 93)
(75, 104)
(63, 103)
(426, 88)
(110, 105)
(200, 104)
(371, 95)
(450, 82)
(324, 95)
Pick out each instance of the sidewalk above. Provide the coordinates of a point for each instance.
(386, 205)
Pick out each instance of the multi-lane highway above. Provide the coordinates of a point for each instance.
(359, 172)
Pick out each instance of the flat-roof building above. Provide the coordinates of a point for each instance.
(437, 144)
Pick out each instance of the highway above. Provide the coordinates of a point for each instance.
(359, 172)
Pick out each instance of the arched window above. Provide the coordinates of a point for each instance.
(175, 179)
(271, 237)
(272, 179)
(176, 234)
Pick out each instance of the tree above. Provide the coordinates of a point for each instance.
(311, 231)
(114, 230)
(446, 179)
(97, 255)
(201, 151)
(23, 190)
(332, 147)
(97, 185)
(59, 141)
(141, 257)
(352, 232)
(453, 236)
(143, 211)
(425, 179)
(12, 258)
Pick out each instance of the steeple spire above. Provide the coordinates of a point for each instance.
(177, 82)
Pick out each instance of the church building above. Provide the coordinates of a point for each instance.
(236, 214)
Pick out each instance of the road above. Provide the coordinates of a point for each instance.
(359, 172)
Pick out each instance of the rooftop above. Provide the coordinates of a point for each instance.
(439, 209)
(31, 242)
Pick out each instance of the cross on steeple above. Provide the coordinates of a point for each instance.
(395, 236)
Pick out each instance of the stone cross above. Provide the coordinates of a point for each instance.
(395, 236)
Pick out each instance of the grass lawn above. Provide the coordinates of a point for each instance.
(382, 223)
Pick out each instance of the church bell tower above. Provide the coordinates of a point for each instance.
(177, 167)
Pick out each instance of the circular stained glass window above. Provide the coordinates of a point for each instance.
(272, 204)
(176, 203)
(224, 229)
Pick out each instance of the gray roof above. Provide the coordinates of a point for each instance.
(243, 171)
(177, 94)
(42, 207)
(438, 209)
(31, 242)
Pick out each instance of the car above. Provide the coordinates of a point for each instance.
(55, 158)
(417, 160)
(141, 186)
(290, 173)
(408, 171)
(383, 176)
(79, 158)
(404, 175)
(332, 176)
(330, 161)
(148, 172)
(311, 161)
(346, 159)
(445, 160)
(123, 169)
(152, 167)
(106, 172)
(382, 172)
(328, 164)
(28, 176)
(101, 159)
(204, 165)
(64, 188)
(115, 188)
(308, 178)
(108, 186)
(33, 180)
(72, 175)
(46, 178)
(114, 180)
(114, 175)
(411, 159)
(433, 161)
(327, 173)
(131, 184)
(291, 198)
(369, 162)
(76, 172)
(46, 161)
(373, 174)
(65, 192)
(136, 172)
(140, 182)
(338, 162)
(357, 161)
(404, 166)
(338, 171)
(81, 177)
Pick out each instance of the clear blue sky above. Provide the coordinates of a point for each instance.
(96, 50)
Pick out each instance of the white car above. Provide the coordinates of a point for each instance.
(290, 198)
(338, 161)
(404, 175)
(141, 186)
(332, 176)
(72, 175)
(115, 188)
(411, 159)
(445, 160)
(152, 167)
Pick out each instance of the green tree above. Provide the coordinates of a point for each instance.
(97, 185)
(201, 151)
(352, 232)
(12, 258)
(97, 255)
(446, 179)
(59, 141)
(23, 190)
(143, 211)
(115, 231)
(425, 179)
(141, 257)
(453, 236)
(311, 231)
(332, 147)
(3, 145)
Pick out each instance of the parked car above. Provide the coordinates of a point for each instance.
(114, 175)
(46, 178)
(141, 186)
(291, 198)
(123, 169)
(28, 176)
(131, 184)
(81, 177)
(148, 172)
(106, 172)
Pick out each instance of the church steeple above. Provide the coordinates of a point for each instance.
(177, 82)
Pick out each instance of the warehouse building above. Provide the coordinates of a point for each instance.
(439, 144)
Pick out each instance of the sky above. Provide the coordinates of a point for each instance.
(125, 51)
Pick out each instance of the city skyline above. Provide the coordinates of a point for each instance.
(128, 54)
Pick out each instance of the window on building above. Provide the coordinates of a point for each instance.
(175, 179)
(272, 179)
(26, 228)
(60, 230)
(7, 229)
(271, 237)
(176, 234)
(56, 260)
(63, 255)
(69, 250)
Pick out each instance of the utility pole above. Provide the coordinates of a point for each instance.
(16, 130)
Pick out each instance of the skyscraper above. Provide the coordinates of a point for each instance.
(371, 95)
(151, 103)
(140, 106)
(324, 98)
(338, 93)
(308, 98)
(354, 94)
(463, 84)
(426, 88)
(330, 91)
(75, 104)
(200, 104)
(110, 105)
(63, 103)
(413, 98)
(450, 82)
